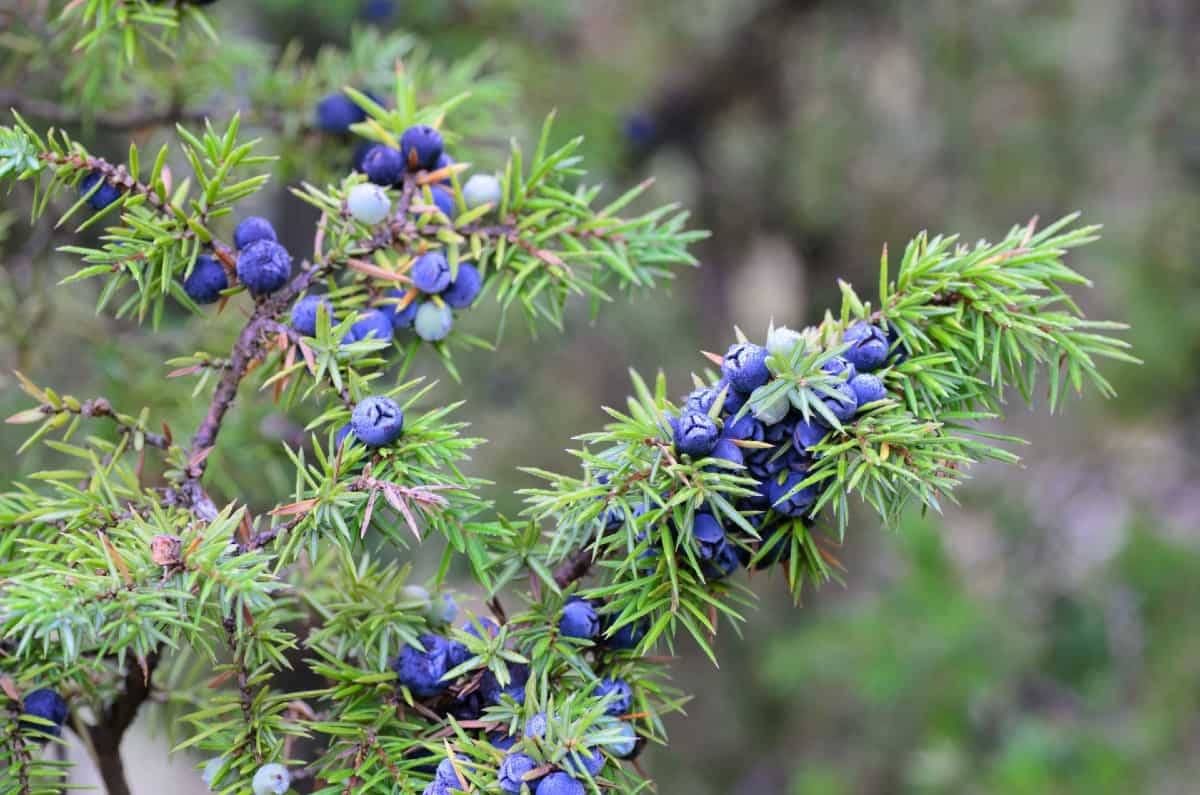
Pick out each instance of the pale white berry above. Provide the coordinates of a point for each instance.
(781, 341)
(271, 779)
(368, 203)
(482, 189)
(433, 321)
(772, 412)
(211, 769)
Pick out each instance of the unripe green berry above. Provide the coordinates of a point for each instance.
(772, 412)
(781, 341)
(433, 322)
(369, 204)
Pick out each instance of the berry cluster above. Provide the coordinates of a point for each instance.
(771, 442)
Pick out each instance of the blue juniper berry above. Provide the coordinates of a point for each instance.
(624, 748)
(745, 366)
(726, 450)
(264, 266)
(868, 388)
(843, 403)
(402, 317)
(723, 563)
(443, 199)
(422, 671)
(619, 693)
(433, 321)
(512, 772)
(808, 434)
(465, 288)
(743, 429)
(696, 434)
(337, 112)
(581, 762)
(868, 346)
(628, 635)
(708, 535)
(372, 324)
(840, 366)
(579, 619)
(384, 165)
(206, 281)
(304, 313)
(559, 784)
(786, 503)
(491, 690)
(421, 146)
(431, 272)
(105, 195)
(250, 229)
(377, 421)
(48, 705)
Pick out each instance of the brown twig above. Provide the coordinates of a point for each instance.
(107, 733)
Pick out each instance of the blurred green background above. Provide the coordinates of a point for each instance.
(1040, 637)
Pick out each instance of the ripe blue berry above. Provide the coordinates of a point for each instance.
(840, 366)
(734, 400)
(745, 366)
(512, 772)
(250, 229)
(629, 635)
(421, 147)
(536, 725)
(695, 435)
(271, 779)
(501, 742)
(808, 434)
(727, 451)
(868, 346)
(384, 165)
(444, 610)
(744, 429)
(465, 288)
(446, 773)
(797, 504)
(620, 696)
(723, 563)
(559, 784)
(898, 353)
(47, 705)
(433, 321)
(491, 691)
(372, 324)
(105, 195)
(701, 400)
(640, 129)
(336, 112)
(708, 535)
(360, 155)
(776, 546)
(341, 435)
(868, 388)
(206, 281)
(304, 313)
(579, 619)
(431, 272)
(482, 189)
(842, 403)
(401, 317)
(443, 199)
(422, 671)
(377, 421)
(264, 266)
(368, 204)
(456, 653)
(580, 762)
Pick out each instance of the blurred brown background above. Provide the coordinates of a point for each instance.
(1041, 637)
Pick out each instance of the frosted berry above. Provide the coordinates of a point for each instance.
(734, 400)
(483, 625)
(304, 313)
(773, 412)
(368, 204)
(402, 316)
(418, 597)
(456, 653)
(431, 272)
(536, 725)
(624, 748)
(337, 112)
(701, 400)
(446, 773)
(465, 288)
(48, 705)
(271, 779)
(579, 619)
(206, 281)
(421, 147)
(444, 610)
(745, 366)
(898, 354)
(619, 694)
(581, 762)
(372, 324)
(502, 742)
(384, 165)
(211, 768)
(868, 346)
(105, 195)
(794, 504)
(512, 772)
(250, 229)
(840, 366)
(723, 563)
(264, 266)
(743, 429)
(481, 189)
(559, 784)
(868, 388)
(782, 341)
(695, 435)
(491, 690)
(433, 321)
(842, 403)
(377, 421)
(422, 671)
(443, 199)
